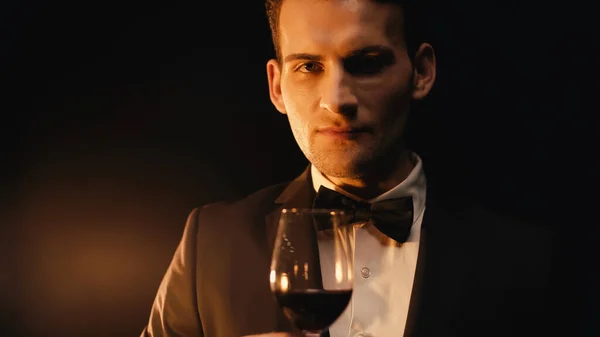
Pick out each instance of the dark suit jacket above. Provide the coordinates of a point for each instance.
(478, 273)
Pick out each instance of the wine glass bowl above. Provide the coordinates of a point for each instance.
(312, 267)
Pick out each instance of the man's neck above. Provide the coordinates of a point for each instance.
(377, 182)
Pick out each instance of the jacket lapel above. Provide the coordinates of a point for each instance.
(443, 264)
(298, 194)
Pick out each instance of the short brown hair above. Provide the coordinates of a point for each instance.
(414, 32)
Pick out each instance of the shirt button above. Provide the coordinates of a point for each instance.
(365, 273)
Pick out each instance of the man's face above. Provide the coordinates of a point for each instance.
(345, 82)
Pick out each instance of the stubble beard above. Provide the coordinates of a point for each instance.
(345, 160)
(341, 163)
(348, 159)
(375, 160)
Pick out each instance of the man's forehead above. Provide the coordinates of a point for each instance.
(319, 46)
(331, 13)
(344, 24)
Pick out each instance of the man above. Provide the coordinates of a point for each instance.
(345, 75)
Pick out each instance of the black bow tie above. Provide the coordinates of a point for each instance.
(392, 217)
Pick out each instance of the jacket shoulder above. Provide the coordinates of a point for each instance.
(236, 216)
(256, 202)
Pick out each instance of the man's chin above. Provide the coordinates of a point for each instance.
(342, 168)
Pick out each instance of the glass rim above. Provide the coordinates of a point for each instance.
(319, 211)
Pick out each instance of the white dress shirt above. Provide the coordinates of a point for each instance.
(383, 271)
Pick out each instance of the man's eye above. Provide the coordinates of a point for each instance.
(365, 65)
(309, 67)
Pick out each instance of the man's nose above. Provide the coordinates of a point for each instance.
(336, 93)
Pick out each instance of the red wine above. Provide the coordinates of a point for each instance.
(313, 310)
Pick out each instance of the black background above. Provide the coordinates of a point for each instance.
(120, 117)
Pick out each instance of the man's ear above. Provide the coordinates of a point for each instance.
(274, 77)
(424, 68)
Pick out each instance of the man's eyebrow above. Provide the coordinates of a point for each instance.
(302, 56)
(317, 58)
(370, 49)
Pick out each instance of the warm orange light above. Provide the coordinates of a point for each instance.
(284, 282)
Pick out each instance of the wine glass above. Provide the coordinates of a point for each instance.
(312, 267)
